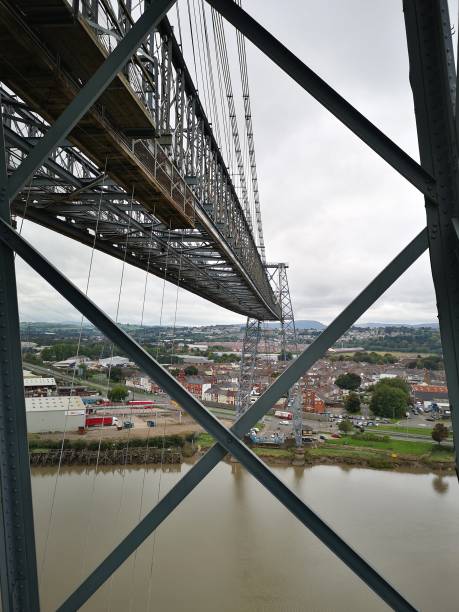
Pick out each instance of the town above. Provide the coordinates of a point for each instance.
(77, 383)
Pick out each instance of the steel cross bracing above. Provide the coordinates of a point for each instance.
(288, 331)
(278, 274)
(153, 134)
(249, 355)
(433, 78)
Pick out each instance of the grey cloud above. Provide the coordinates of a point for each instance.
(330, 206)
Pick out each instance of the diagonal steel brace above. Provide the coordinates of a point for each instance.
(227, 439)
(328, 97)
(88, 95)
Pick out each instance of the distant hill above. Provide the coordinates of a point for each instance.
(432, 324)
(301, 324)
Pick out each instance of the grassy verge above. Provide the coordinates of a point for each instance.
(205, 440)
(173, 441)
(279, 453)
(389, 450)
(391, 445)
(378, 453)
(417, 431)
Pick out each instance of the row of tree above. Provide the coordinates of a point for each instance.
(390, 397)
(365, 357)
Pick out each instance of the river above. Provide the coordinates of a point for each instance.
(231, 547)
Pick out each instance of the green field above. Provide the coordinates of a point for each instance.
(205, 440)
(421, 431)
(428, 452)
(394, 446)
(382, 454)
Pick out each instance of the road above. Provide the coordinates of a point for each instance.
(162, 399)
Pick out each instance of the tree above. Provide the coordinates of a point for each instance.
(388, 401)
(175, 372)
(348, 381)
(440, 433)
(118, 393)
(395, 383)
(285, 356)
(191, 370)
(352, 403)
(116, 374)
(345, 426)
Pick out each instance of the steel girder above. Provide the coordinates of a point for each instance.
(227, 439)
(433, 82)
(78, 199)
(183, 157)
(248, 364)
(288, 331)
(18, 564)
(227, 442)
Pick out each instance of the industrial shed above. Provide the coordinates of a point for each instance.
(48, 414)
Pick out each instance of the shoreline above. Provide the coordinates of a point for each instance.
(400, 464)
(143, 456)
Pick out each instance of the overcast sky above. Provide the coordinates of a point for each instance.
(331, 207)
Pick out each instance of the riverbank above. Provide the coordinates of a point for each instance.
(367, 451)
(371, 451)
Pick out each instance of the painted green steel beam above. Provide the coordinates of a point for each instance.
(433, 82)
(200, 470)
(88, 95)
(18, 565)
(327, 96)
(228, 439)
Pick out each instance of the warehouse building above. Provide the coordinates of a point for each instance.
(54, 414)
(36, 386)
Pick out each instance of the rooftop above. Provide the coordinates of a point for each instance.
(52, 404)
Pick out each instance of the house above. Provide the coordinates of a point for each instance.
(429, 393)
(312, 402)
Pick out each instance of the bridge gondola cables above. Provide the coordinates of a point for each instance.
(53, 497)
(123, 471)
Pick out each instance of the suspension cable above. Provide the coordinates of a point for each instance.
(56, 480)
(222, 48)
(123, 471)
(249, 132)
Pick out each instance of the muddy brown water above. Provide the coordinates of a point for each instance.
(232, 547)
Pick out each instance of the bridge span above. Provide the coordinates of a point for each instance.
(141, 175)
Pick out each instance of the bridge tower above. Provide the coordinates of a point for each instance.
(288, 337)
(248, 364)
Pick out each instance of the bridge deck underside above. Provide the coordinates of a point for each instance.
(46, 56)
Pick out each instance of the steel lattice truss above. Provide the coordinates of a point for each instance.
(248, 364)
(433, 81)
(278, 277)
(169, 193)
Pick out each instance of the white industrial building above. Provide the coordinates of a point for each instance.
(54, 414)
(113, 362)
(39, 386)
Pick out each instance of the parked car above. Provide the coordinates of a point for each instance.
(336, 435)
(322, 438)
(284, 422)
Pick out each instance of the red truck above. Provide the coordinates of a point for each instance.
(282, 414)
(101, 421)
